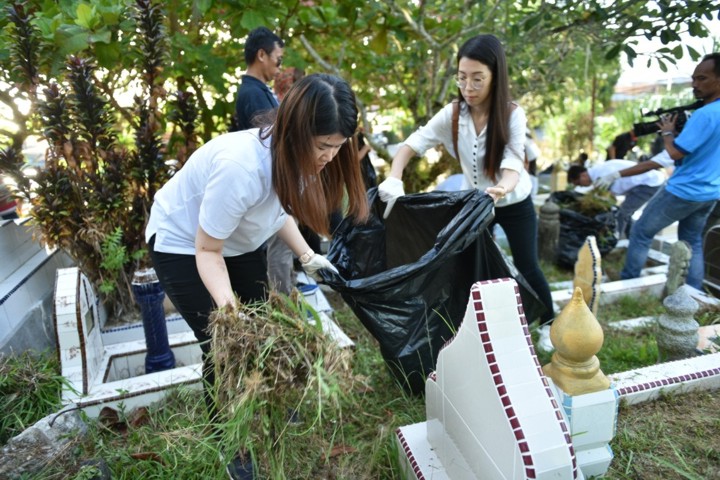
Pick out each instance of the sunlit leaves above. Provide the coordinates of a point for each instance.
(86, 16)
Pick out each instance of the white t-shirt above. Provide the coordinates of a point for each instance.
(651, 178)
(226, 188)
(472, 149)
(663, 158)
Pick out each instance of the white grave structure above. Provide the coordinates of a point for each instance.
(107, 369)
(105, 366)
(491, 412)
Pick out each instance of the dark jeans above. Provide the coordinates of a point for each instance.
(179, 277)
(520, 224)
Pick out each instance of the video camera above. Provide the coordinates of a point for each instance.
(646, 128)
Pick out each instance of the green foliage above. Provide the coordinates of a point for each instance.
(93, 197)
(397, 55)
(30, 386)
(666, 438)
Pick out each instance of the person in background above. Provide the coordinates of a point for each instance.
(263, 57)
(637, 189)
(285, 79)
(660, 160)
(690, 193)
(491, 150)
(532, 153)
(209, 222)
(621, 145)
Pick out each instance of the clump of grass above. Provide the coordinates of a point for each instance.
(628, 350)
(594, 202)
(668, 438)
(30, 389)
(279, 381)
(631, 306)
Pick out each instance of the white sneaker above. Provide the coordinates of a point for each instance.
(544, 341)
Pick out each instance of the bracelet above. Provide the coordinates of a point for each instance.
(667, 133)
(307, 256)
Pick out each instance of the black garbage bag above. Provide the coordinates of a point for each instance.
(408, 278)
(576, 227)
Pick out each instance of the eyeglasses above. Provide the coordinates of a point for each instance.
(278, 60)
(462, 83)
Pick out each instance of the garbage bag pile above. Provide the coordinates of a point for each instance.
(576, 227)
(407, 278)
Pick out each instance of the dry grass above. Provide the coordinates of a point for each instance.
(279, 381)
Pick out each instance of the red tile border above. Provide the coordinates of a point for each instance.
(663, 382)
(513, 420)
(409, 454)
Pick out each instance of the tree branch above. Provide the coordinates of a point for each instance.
(416, 27)
(107, 90)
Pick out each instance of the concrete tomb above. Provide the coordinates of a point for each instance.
(27, 278)
(106, 365)
(105, 370)
(491, 413)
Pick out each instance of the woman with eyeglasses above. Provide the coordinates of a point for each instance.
(489, 144)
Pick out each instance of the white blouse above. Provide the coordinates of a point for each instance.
(472, 149)
(226, 188)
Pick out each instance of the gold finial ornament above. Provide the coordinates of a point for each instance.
(577, 337)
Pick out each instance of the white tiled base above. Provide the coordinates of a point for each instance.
(417, 459)
(138, 391)
(491, 412)
(611, 291)
(648, 383)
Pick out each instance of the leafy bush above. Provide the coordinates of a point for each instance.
(94, 194)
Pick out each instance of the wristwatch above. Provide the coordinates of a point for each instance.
(305, 257)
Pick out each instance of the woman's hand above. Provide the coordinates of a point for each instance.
(508, 181)
(389, 191)
(497, 192)
(317, 262)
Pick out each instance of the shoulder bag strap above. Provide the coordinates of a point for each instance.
(455, 119)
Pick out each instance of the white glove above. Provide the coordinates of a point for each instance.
(607, 180)
(390, 190)
(316, 263)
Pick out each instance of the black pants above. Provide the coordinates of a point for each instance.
(520, 224)
(179, 277)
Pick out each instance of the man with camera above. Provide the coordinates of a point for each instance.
(692, 190)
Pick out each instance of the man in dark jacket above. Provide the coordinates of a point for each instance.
(263, 56)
